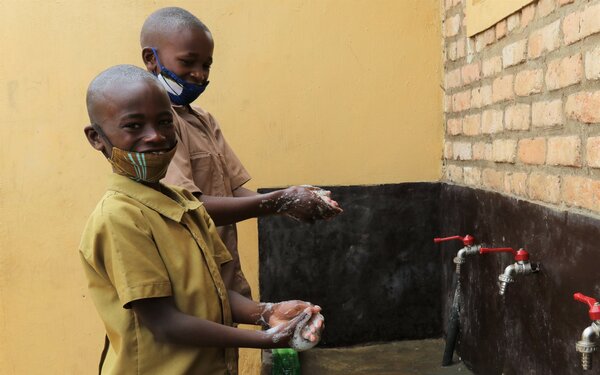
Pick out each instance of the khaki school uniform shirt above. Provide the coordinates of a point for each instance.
(205, 163)
(140, 243)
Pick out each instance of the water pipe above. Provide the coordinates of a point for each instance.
(453, 319)
(591, 335)
(522, 265)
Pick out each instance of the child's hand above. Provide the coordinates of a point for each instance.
(308, 203)
(301, 332)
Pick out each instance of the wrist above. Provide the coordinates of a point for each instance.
(277, 202)
(266, 310)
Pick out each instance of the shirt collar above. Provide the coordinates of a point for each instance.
(173, 206)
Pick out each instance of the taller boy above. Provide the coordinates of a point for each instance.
(177, 47)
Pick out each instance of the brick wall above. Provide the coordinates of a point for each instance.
(522, 103)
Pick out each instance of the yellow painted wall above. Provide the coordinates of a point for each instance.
(331, 92)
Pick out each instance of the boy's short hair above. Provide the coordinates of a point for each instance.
(166, 20)
(111, 77)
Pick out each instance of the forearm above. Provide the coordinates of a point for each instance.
(247, 311)
(229, 210)
(189, 330)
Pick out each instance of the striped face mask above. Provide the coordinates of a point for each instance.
(139, 166)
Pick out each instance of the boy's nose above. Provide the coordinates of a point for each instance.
(153, 135)
(199, 76)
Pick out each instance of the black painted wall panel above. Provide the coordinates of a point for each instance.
(379, 277)
(373, 269)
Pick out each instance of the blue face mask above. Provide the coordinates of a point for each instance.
(180, 91)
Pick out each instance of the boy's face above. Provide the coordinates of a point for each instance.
(134, 117)
(187, 53)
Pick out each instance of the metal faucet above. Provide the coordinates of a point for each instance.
(469, 249)
(522, 265)
(591, 335)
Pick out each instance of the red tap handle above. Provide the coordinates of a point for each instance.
(519, 255)
(485, 250)
(594, 306)
(467, 240)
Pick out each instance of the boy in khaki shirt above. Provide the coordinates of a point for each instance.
(177, 47)
(151, 253)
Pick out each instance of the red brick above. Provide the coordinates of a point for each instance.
(447, 150)
(460, 48)
(545, 7)
(584, 107)
(572, 28)
(472, 125)
(516, 183)
(564, 72)
(504, 150)
(502, 88)
(527, 15)
(453, 79)
(528, 82)
(582, 192)
(532, 150)
(471, 73)
(485, 39)
(514, 53)
(472, 176)
(592, 64)
(452, 26)
(462, 151)
(461, 101)
(590, 20)
(486, 95)
(564, 151)
(593, 152)
(447, 103)
(517, 117)
(543, 187)
(501, 29)
(491, 121)
(476, 98)
(492, 66)
(513, 21)
(482, 151)
(454, 126)
(544, 40)
(493, 179)
(547, 113)
(454, 173)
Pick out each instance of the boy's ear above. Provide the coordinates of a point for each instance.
(94, 138)
(149, 60)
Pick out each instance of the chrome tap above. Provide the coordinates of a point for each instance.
(522, 265)
(469, 249)
(591, 335)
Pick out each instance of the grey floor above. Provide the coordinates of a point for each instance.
(421, 357)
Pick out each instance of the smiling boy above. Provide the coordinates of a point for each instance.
(178, 48)
(152, 256)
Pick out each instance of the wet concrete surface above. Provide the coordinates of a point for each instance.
(415, 357)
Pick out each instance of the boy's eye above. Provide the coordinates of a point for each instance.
(186, 62)
(131, 125)
(166, 123)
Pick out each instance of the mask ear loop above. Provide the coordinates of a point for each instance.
(100, 132)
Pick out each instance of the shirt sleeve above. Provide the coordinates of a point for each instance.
(238, 175)
(180, 172)
(220, 252)
(128, 255)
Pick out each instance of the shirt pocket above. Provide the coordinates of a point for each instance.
(207, 172)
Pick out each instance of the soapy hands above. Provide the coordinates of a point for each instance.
(308, 203)
(295, 324)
